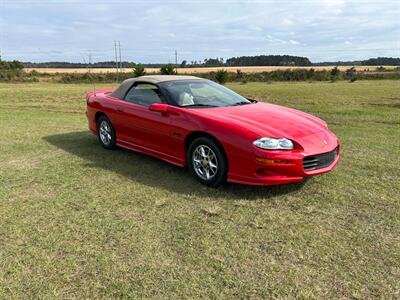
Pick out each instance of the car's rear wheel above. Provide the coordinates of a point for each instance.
(105, 132)
(207, 162)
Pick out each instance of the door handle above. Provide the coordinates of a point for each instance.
(119, 109)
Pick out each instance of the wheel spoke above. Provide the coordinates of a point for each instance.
(202, 170)
(203, 152)
(212, 165)
(207, 173)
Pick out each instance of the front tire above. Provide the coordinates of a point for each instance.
(207, 162)
(105, 133)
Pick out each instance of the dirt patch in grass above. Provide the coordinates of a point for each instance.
(390, 105)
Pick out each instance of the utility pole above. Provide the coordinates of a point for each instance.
(120, 59)
(116, 59)
(90, 72)
(176, 61)
(90, 61)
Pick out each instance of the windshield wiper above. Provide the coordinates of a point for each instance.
(241, 103)
(199, 104)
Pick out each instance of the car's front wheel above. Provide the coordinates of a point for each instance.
(207, 162)
(105, 132)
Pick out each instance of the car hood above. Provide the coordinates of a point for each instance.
(270, 119)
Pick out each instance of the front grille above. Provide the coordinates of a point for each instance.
(319, 161)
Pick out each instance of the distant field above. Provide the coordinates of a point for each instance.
(199, 70)
(80, 222)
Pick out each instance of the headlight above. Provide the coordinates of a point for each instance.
(273, 144)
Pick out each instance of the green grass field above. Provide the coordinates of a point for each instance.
(78, 221)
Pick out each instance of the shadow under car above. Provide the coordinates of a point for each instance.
(154, 172)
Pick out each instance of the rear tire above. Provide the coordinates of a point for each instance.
(105, 133)
(207, 162)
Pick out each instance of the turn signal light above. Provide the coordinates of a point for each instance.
(267, 161)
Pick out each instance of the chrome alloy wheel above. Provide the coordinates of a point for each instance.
(204, 162)
(105, 133)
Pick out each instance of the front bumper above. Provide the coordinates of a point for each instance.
(278, 167)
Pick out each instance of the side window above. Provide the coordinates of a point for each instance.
(144, 94)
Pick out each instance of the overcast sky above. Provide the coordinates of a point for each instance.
(150, 31)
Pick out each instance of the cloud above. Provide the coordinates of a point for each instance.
(273, 40)
(320, 30)
(287, 22)
(100, 7)
(334, 7)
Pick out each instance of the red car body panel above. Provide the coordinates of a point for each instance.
(164, 135)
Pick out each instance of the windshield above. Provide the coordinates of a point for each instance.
(201, 93)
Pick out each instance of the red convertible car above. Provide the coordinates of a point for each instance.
(220, 135)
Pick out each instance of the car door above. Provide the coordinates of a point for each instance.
(141, 126)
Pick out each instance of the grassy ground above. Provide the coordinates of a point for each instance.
(77, 221)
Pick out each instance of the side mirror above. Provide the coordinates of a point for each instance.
(159, 107)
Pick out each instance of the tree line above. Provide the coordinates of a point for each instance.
(379, 61)
(269, 60)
